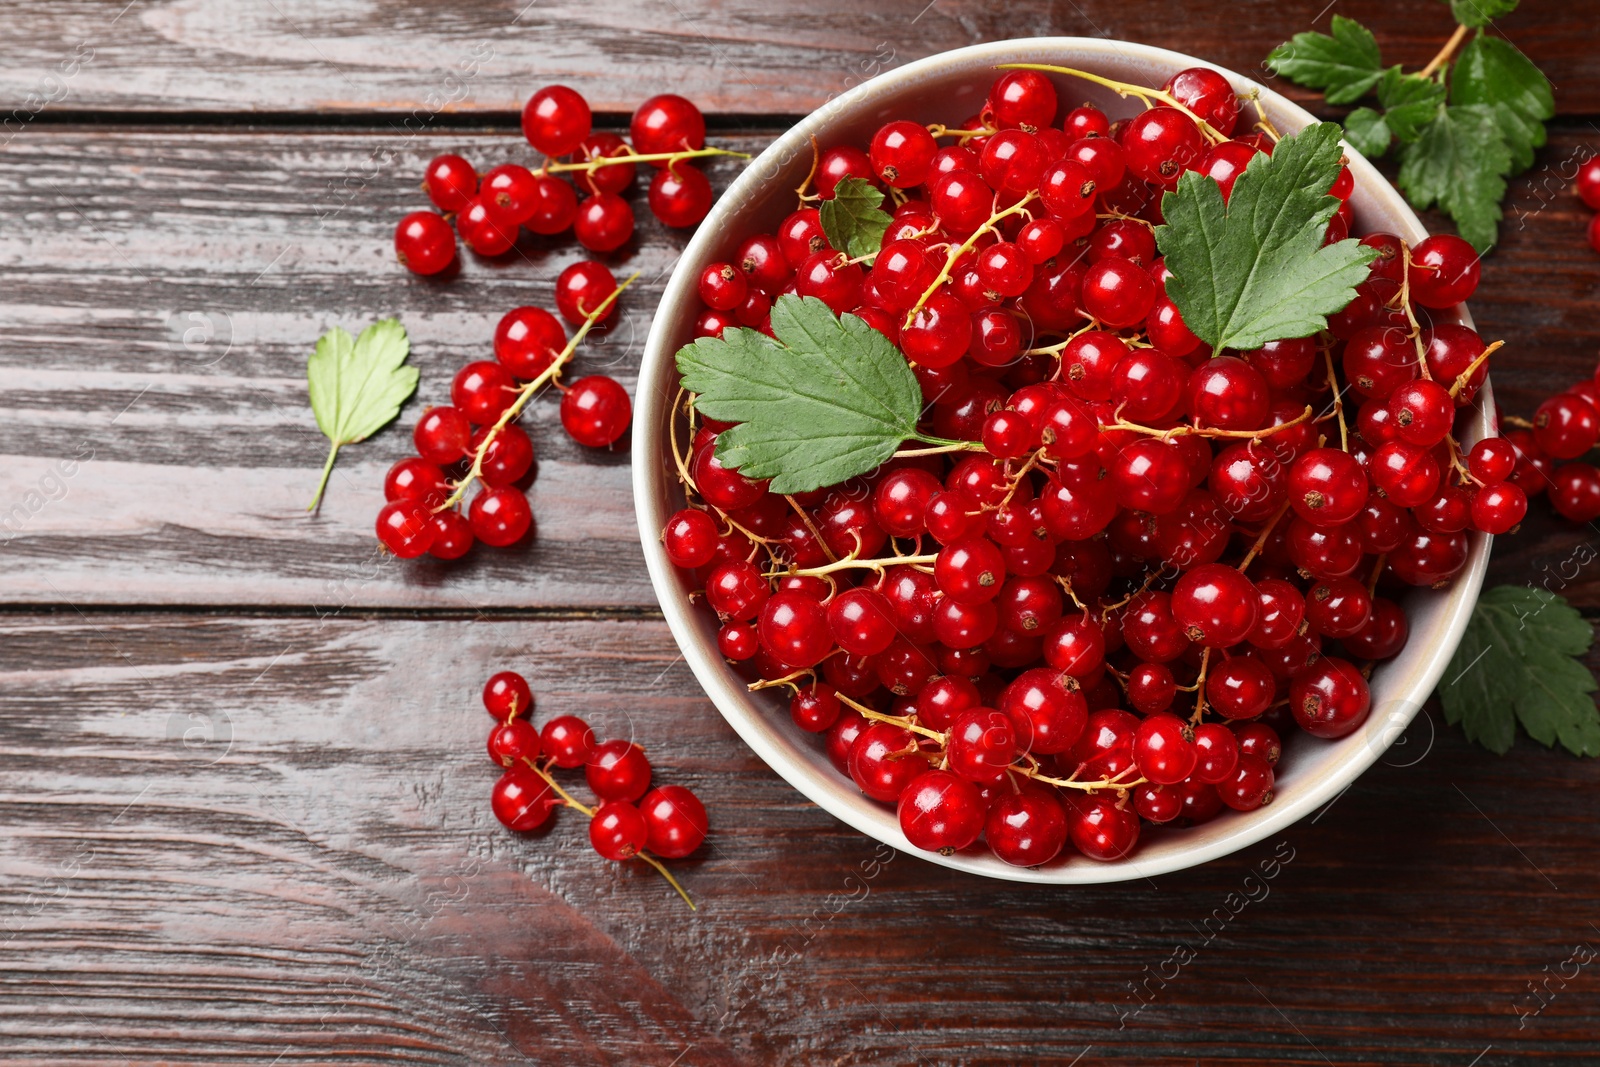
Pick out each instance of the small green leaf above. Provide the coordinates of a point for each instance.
(828, 399)
(1517, 663)
(1344, 65)
(854, 221)
(1367, 132)
(1494, 73)
(1253, 269)
(1409, 102)
(357, 386)
(1479, 13)
(1459, 162)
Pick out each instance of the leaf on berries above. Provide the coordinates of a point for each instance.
(1459, 162)
(1409, 102)
(357, 385)
(1253, 268)
(854, 221)
(1494, 73)
(1367, 132)
(827, 399)
(1517, 663)
(1345, 65)
(1479, 13)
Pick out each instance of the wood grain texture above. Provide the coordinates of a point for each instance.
(735, 57)
(163, 293)
(231, 840)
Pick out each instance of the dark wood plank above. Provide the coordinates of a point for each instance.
(731, 56)
(314, 876)
(164, 294)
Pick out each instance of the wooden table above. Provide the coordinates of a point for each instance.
(244, 794)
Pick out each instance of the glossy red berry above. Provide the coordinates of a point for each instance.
(1566, 426)
(482, 231)
(595, 411)
(1207, 94)
(1215, 604)
(1492, 459)
(568, 741)
(883, 759)
(405, 528)
(424, 243)
(416, 479)
(482, 391)
(941, 812)
(500, 516)
(604, 222)
(450, 182)
(794, 630)
(443, 435)
(680, 195)
(513, 744)
(507, 694)
(582, 288)
(1227, 393)
(1498, 507)
(667, 123)
(1026, 828)
(1024, 99)
(618, 770)
(982, 744)
(970, 571)
(523, 800)
(861, 621)
(1327, 487)
(676, 821)
(1444, 271)
(555, 120)
(1102, 831)
(1329, 698)
(1118, 292)
(452, 535)
(1163, 749)
(1422, 411)
(618, 831)
(527, 341)
(902, 153)
(1161, 143)
(690, 538)
(506, 457)
(1250, 786)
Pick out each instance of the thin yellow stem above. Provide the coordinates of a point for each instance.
(1444, 53)
(588, 166)
(956, 252)
(939, 129)
(1200, 687)
(1338, 401)
(662, 870)
(1261, 538)
(1125, 89)
(898, 720)
(1196, 431)
(566, 797)
(526, 392)
(855, 563)
(1472, 368)
(1088, 787)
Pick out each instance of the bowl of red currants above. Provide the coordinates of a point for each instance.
(1055, 458)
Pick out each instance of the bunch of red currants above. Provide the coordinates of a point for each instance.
(1161, 557)
(631, 821)
(490, 211)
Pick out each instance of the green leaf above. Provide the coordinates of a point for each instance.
(357, 386)
(1517, 663)
(853, 221)
(1367, 132)
(1459, 162)
(826, 400)
(1344, 65)
(1479, 13)
(1409, 102)
(1254, 269)
(1494, 73)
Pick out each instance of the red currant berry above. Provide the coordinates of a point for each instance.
(443, 435)
(506, 694)
(940, 812)
(604, 222)
(452, 535)
(680, 195)
(722, 287)
(482, 232)
(1329, 698)
(405, 527)
(738, 641)
(1565, 426)
(500, 516)
(523, 800)
(482, 391)
(416, 479)
(568, 741)
(1444, 271)
(982, 744)
(1338, 607)
(506, 458)
(1161, 143)
(839, 163)
(450, 182)
(1026, 828)
(667, 123)
(1423, 411)
(1118, 292)
(1250, 785)
(595, 411)
(883, 760)
(676, 820)
(1240, 688)
(618, 770)
(1327, 487)
(860, 620)
(1498, 507)
(1216, 605)
(815, 708)
(1406, 473)
(582, 288)
(902, 153)
(555, 120)
(690, 538)
(1163, 749)
(1492, 459)
(1207, 94)
(618, 831)
(737, 590)
(1023, 99)
(1102, 831)
(1575, 492)
(1384, 634)
(1151, 688)
(511, 743)
(1217, 753)
(423, 243)
(794, 630)
(527, 341)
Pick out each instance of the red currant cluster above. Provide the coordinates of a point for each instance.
(476, 438)
(668, 820)
(667, 131)
(1588, 184)
(1564, 427)
(1136, 516)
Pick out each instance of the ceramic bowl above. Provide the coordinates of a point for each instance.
(948, 88)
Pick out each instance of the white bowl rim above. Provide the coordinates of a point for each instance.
(817, 780)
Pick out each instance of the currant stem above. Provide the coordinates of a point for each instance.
(1113, 782)
(939, 129)
(1261, 538)
(898, 720)
(1377, 572)
(957, 251)
(853, 562)
(589, 166)
(1338, 401)
(1124, 89)
(1196, 431)
(1411, 318)
(1465, 376)
(1444, 54)
(528, 389)
(1200, 688)
(327, 469)
(566, 797)
(662, 870)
